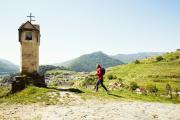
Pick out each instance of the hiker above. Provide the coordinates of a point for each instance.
(100, 77)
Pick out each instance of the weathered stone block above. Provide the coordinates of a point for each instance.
(22, 82)
(19, 84)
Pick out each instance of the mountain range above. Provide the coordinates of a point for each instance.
(127, 58)
(7, 66)
(88, 62)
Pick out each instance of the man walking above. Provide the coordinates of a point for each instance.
(100, 78)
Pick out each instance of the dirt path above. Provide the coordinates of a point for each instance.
(93, 110)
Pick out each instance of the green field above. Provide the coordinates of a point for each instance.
(151, 71)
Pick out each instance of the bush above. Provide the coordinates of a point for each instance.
(177, 57)
(177, 90)
(56, 73)
(133, 85)
(159, 58)
(89, 81)
(4, 90)
(169, 90)
(137, 62)
(161, 81)
(171, 59)
(114, 77)
(110, 77)
(152, 88)
(120, 80)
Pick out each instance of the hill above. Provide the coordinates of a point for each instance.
(159, 71)
(127, 58)
(7, 66)
(88, 62)
(44, 68)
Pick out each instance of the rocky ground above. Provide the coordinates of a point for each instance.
(91, 110)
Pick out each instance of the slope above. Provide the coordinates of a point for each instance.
(155, 70)
(88, 62)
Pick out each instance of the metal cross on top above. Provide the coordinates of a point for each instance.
(30, 16)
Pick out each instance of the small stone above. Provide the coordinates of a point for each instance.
(155, 116)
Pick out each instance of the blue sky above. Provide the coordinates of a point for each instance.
(70, 28)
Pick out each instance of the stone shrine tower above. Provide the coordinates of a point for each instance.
(29, 38)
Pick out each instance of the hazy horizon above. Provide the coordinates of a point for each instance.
(71, 28)
(53, 63)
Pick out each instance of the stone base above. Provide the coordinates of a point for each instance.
(19, 84)
(22, 82)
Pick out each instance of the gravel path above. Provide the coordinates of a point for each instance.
(93, 110)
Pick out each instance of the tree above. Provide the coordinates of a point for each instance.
(137, 62)
(159, 58)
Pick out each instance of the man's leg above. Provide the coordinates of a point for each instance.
(103, 85)
(97, 84)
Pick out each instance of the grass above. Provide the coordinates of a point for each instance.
(32, 95)
(124, 95)
(151, 72)
(51, 96)
(4, 91)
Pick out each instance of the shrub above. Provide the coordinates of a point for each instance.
(114, 77)
(4, 90)
(159, 58)
(126, 86)
(89, 81)
(120, 80)
(161, 81)
(169, 90)
(177, 57)
(152, 88)
(177, 90)
(56, 73)
(110, 77)
(137, 62)
(133, 85)
(171, 59)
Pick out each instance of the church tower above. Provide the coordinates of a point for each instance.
(29, 38)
